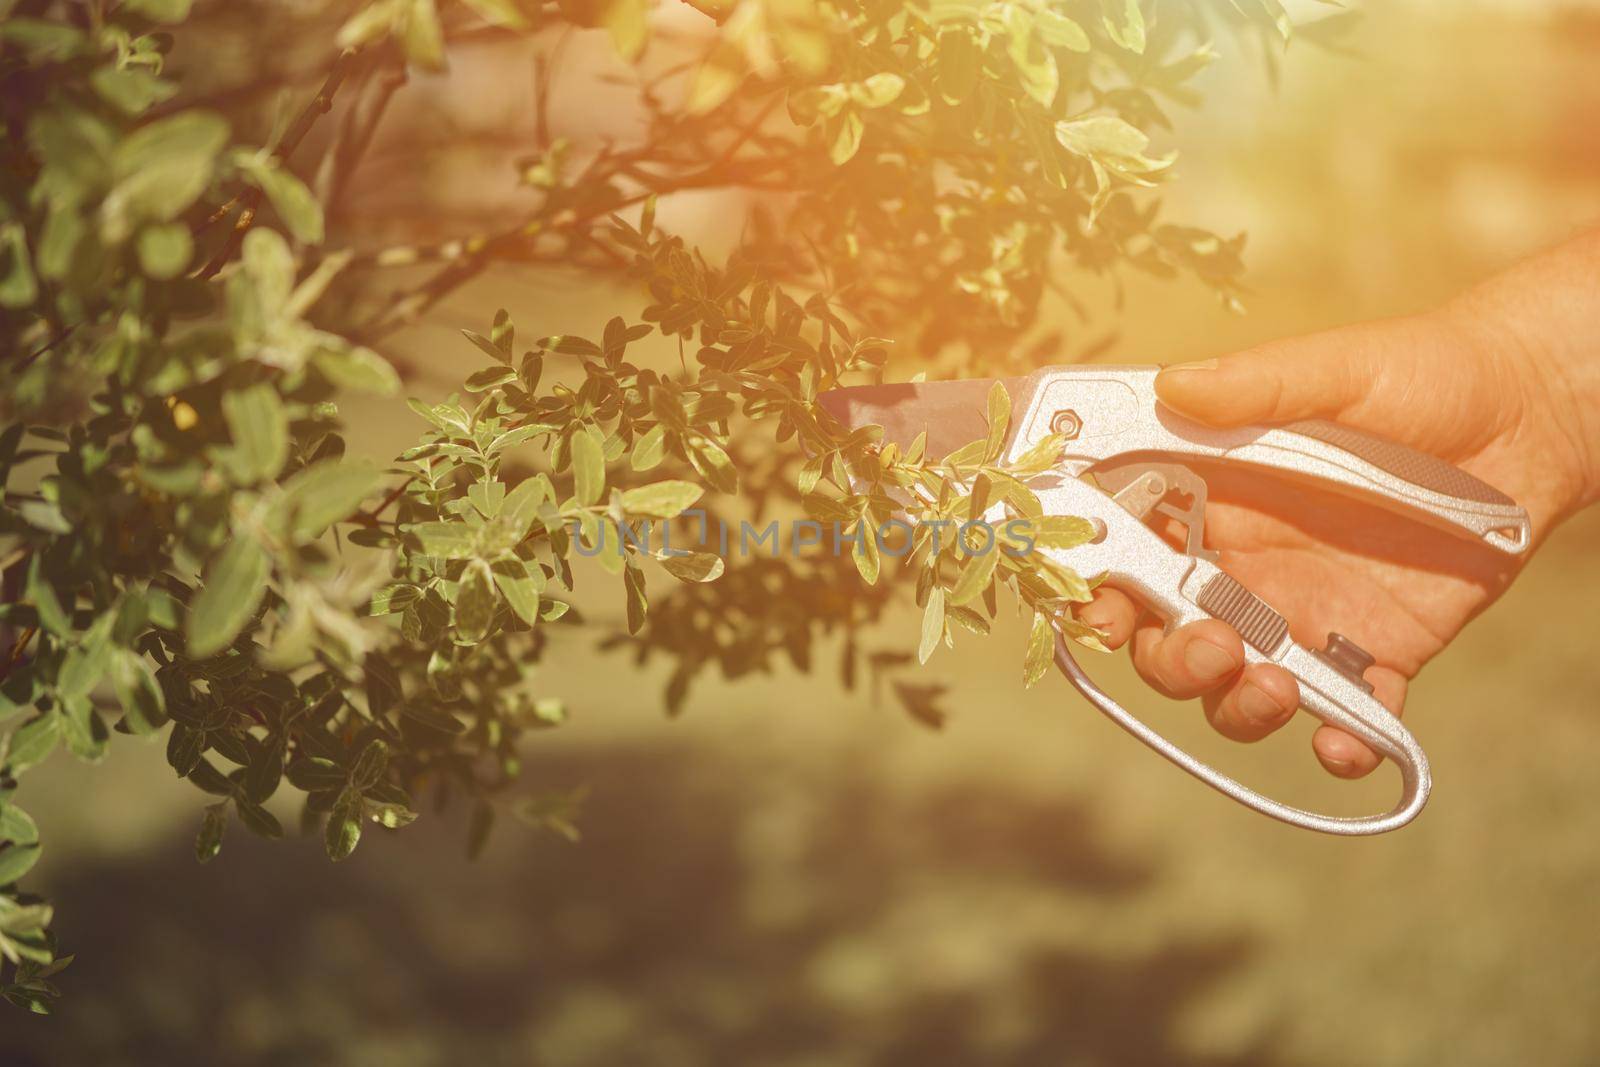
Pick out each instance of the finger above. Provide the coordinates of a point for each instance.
(1302, 377)
(1111, 612)
(1343, 755)
(1189, 660)
(1260, 700)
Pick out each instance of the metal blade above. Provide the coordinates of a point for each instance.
(952, 413)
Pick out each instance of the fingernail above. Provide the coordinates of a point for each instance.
(1257, 706)
(1206, 660)
(1340, 767)
(1199, 364)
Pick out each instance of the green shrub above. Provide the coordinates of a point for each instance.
(187, 548)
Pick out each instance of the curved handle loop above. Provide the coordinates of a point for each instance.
(1393, 739)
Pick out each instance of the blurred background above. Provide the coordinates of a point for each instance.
(792, 875)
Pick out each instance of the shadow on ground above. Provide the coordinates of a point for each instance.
(716, 913)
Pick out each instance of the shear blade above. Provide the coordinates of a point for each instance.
(951, 413)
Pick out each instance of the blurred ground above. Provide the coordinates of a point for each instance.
(790, 875)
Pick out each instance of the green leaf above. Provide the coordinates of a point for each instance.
(233, 587)
(880, 90)
(650, 448)
(695, 567)
(446, 540)
(661, 500)
(637, 604)
(421, 39)
(258, 820)
(343, 831)
(1061, 531)
(1124, 23)
(260, 431)
(432, 718)
(999, 420)
(370, 765)
(288, 194)
(144, 706)
(32, 742)
(313, 774)
(932, 624)
(16, 861)
(488, 347)
(1041, 646)
(499, 12)
(166, 11)
(131, 90)
(358, 369)
(513, 578)
(626, 21)
(323, 494)
(17, 826)
(977, 571)
(489, 378)
(53, 616)
(213, 821)
(165, 250)
(588, 468)
(476, 601)
(160, 169)
(845, 136)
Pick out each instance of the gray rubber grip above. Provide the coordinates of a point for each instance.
(1418, 468)
(1261, 627)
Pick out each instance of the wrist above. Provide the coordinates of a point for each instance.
(1538, 329)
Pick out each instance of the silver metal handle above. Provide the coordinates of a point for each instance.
(1372, 724)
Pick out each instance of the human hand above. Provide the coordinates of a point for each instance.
(1492, 383)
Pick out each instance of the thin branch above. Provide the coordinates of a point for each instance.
(318, 106)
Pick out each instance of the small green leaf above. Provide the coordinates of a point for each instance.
(999, 420)
(932, 624)
(446, 540)
(513, 578)
(32, 742)
(370, 765)
(343, 831)
(260, 431)
(144, 707)
(165, 11)
(300, 211)
(313, 774)
(476, 601)
(977, 571)
(695, 567)
(323, 494)
(357, 369)
(17, 826)
(489, 378)
(233, 587)
(160, 169)
(650, 449)
(213, 821)
(131, 90)
(1041, 646)
(165, 250)
(661, 500)
(16, 861)
(1061, 531)
(588, 468)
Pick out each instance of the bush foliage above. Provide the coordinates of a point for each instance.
(187, 549)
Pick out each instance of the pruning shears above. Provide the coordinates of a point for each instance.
(1126, 462)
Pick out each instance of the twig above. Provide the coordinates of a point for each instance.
(318, 106)
(371, 517)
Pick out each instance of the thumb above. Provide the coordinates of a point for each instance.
(1319, 376)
